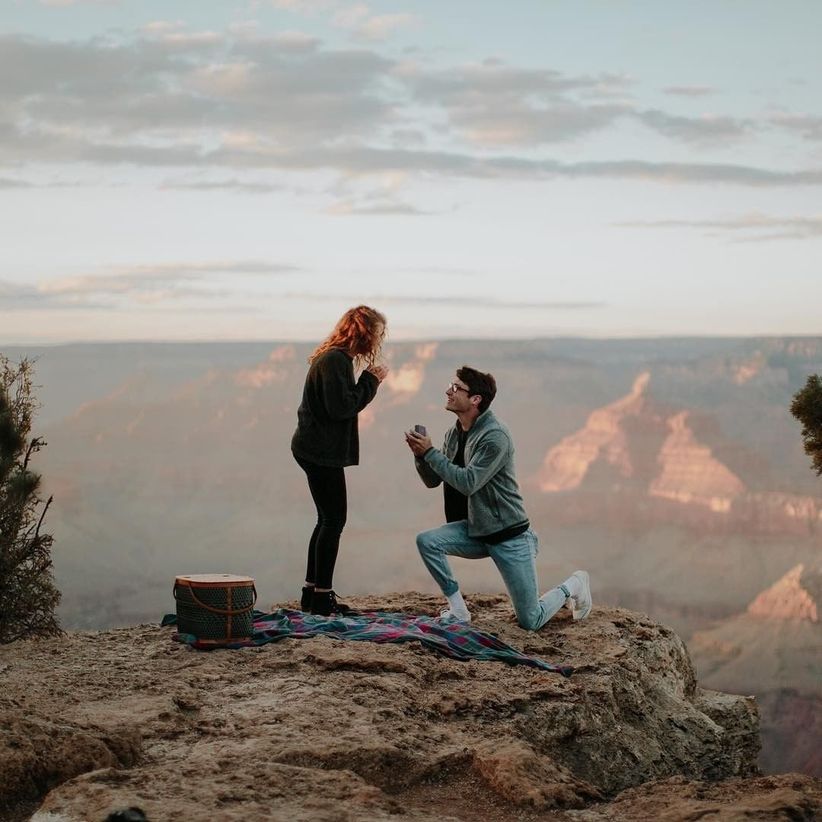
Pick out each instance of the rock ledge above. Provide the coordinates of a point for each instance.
(329, 729)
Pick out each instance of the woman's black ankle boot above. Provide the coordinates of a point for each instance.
(324, 603)
(305, 599)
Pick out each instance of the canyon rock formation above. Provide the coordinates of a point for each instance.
(645, 453)
(774, 650)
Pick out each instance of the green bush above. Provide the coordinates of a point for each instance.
(807, 408)
(28, 596)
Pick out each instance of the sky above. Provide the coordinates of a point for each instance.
(248, 169)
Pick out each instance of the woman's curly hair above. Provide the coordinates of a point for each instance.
(360, 332)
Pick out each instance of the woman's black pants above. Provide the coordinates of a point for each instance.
(327, 486)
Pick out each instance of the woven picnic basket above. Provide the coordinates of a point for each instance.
(215, 608)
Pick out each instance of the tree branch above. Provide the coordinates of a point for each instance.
(42, 517)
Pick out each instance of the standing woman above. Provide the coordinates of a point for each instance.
(327, 439)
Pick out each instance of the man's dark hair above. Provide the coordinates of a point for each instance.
(478, 383)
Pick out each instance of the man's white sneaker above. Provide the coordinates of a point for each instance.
(582, 604)
(448, 616)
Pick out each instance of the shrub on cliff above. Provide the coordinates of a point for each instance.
(807, 408)
(28, 596)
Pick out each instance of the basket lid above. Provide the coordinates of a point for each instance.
(206, 580)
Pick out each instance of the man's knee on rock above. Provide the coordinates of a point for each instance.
(528, 622)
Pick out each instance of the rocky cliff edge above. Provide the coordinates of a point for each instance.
(327, 729)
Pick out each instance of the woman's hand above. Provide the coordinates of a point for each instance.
(379, 371)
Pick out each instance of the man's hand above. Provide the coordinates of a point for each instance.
(379, 371)
(418, 443)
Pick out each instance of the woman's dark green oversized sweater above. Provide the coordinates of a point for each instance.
(327, 431)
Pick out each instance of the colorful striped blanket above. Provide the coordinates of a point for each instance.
(454, 640)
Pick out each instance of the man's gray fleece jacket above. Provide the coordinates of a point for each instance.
(488, 479)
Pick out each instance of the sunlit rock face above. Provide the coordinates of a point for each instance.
(403, 383)
(690, 473)
(773, 649)
(616, 435)
(638, 460)
(603, 437)
(788, 598)
(406, 380)
(275, 369)
(748, 370)
(776, 513)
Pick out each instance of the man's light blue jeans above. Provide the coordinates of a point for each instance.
(515, 559)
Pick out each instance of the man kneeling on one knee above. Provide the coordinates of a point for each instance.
(484, 510)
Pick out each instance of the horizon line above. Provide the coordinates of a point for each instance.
(409, 339)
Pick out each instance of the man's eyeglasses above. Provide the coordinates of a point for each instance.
(453, 388)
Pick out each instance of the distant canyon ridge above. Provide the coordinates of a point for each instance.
(671, 469)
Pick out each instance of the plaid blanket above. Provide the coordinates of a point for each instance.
(454, 640)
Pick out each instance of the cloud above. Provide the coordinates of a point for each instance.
(175, 87)
(120, 281)
(141, 284)
(708, 128)
(7, 182)
(380, 26)
(374, 161)
(310, 7)
(367, 160)
(356, 18)
(761, 227)
(689, 91)
(441, 271)
(296, 41)
(366, 26)
(512, 123)
(192, 38)
(239, 186)
(21, 297)
(162, 26)
(380, 196)
(17, 183)
(172, 98)
(347, 208)
(460, 300)
(495, 104)
(63, 3)
(495, 78)
(806, 125)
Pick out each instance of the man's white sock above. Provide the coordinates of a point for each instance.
(457, 605)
